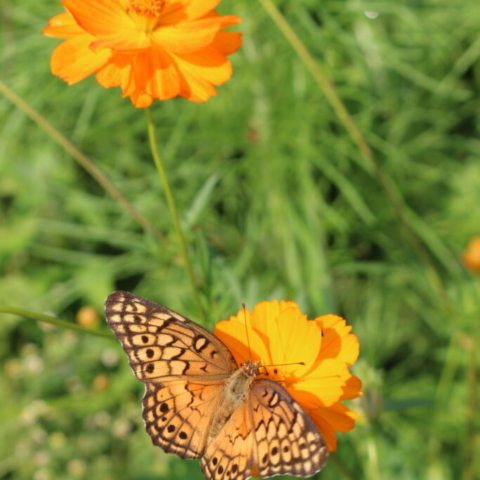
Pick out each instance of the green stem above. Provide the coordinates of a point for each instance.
(372, 164)
(82, 159)
(445, 382)
(173, 210)
(470, 444)
(40, 317)
(372, 468)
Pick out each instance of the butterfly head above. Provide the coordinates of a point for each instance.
(251, 369)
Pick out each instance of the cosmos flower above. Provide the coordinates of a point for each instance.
(150, 48)
(279, 333)
(471, 257)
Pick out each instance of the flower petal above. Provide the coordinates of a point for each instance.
(327, 382)
(158, 73)
(199, 71)
(62, 26)
(233, 333)
(337, 341)
(265, 314)
(118, 71)
(141, 99)
(326, 429)
(73, 61)
(192, 36)
(300, 347)
(197, 8)
(338, 416)
(227, 42)
(108, 21)
(187, 37)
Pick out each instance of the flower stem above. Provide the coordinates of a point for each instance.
(173, 210)
(82, 159)
(372, 468)
(470, 443)
(40, 317)
(404, 215)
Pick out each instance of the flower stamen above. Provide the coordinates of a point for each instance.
(148, 8)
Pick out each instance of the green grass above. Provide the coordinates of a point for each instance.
(277, 202)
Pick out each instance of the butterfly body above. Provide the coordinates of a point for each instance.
(199, 403)
(234, 394)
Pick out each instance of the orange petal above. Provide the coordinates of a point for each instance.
(197, 8)
(352, 388)
(108, 21)
(62, 26)
(327, 382)
(326, 429)
(264, 316)
(200, 70)
(294, 339)
(118, 71)
(337, 341)
(206, 65)
(156, 71)
(234, 334)
(141, 100)
(338, 416)
(187, 37)
(227, 42)
(73, 61)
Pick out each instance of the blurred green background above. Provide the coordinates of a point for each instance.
(277, 202)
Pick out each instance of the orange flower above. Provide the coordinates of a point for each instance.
(150, 48)
(279, 333)
(471, 257)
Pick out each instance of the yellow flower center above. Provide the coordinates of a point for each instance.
(148, 8)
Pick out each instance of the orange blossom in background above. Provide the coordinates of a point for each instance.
(150, 48)
(471, 257)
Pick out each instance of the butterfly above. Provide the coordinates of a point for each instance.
(199, 403)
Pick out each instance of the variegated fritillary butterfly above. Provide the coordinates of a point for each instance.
(199, 403)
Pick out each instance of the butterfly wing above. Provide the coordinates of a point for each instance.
(184, 367)
(178, 415)
(230, 455)
(287, 442)
(270, 434)
(163, 345)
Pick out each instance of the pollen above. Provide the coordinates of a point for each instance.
(148, 8)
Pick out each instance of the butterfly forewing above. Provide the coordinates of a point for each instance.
(162, 344)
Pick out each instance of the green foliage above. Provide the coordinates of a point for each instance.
(277, 202)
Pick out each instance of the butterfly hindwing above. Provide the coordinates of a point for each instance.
(178, 415)
(230, 455)
(287, 442)
(270, 434)
(162, 344)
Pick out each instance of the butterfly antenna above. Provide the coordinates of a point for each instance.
(246, 331)
(281, 365)
(284, 364)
